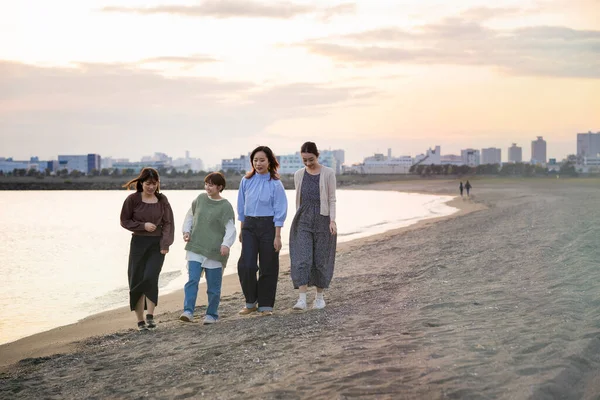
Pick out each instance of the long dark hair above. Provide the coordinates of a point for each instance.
(146, 174)
(273, 163)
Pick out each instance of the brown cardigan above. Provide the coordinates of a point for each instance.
(135, 213)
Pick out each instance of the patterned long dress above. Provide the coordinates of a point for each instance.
(312, 246)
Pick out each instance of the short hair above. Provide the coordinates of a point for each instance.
(217, 179)
(309, 147)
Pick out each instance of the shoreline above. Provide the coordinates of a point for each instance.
(68, 338)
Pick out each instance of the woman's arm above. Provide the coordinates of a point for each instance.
(168, 233)
(279, 204)
(277, 242)
(332, 203)
(127, 220)
(188, 224)
(228, 238)
(331, 196)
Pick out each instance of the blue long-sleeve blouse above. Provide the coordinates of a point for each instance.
(261, 196)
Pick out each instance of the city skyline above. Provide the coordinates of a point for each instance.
(363, 76)
(504, 153)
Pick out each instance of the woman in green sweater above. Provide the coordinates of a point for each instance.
(209, 230)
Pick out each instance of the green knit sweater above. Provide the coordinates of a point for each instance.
(209, 220)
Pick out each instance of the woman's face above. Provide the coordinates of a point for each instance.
(310, 160)
(261, 162)
(149, 186)
(211, 189)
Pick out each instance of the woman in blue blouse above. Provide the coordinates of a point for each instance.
(262, 208)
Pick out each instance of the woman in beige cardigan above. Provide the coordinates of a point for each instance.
(313, 234)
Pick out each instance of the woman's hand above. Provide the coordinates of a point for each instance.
(240, 237)
(333, 227)
(186, 237)
(277, 243)
(149, 226)
(224, 251)
(164, 251)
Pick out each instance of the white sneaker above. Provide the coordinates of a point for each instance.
(300, 305)
(209, 319)
(319, 304)
(186, 316)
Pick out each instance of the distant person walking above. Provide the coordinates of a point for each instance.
(262, 209)
(313, 234)
(209, 230)
(460, 187)
(147, 213)
(468, 187)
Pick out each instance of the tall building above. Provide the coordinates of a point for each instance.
(515, 154)
(470, 157)
(94, 162)
(491, 155)
(538, 151)
(340, 158)
(588, 144)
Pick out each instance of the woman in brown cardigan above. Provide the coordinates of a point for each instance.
(313, 234)
(147, 213)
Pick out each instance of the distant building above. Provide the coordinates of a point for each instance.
(81, 163)
(452, 159)
(187, 163)
(290, 163)
(108, 162)
(471, 157)
(491, 155)
(8, 165)
(242, 163)
(589, 164)
(137, 166)
(432, 156)
(515, 154)
(158, 157)
(538, 151)
(94, 162)
(340, 158)
(588, 144)
(382, 164)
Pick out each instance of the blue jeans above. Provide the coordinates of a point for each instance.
(214, 279)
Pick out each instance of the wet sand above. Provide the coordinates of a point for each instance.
(498, 301)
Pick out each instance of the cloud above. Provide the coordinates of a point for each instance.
(223, 9)
(487, 13)
(536, 50)
(120, 108)
(194, 59)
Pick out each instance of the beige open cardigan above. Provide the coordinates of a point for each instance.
(327, 184)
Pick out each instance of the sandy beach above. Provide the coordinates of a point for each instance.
(499, 300)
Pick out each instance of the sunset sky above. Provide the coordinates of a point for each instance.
(129, 78)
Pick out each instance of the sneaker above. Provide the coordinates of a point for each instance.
(142, 326)
(186, 316)
(150, 322)
(319, 304)
(209, 319)
(265, 313)
(246, 310)
(300, 305)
